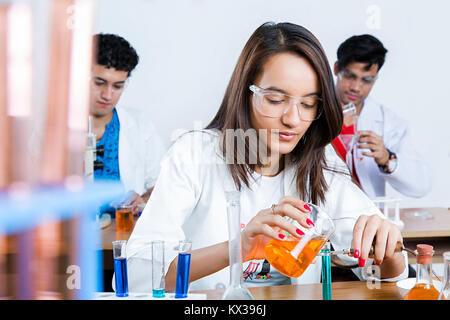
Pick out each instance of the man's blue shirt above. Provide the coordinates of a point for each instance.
(110, 158)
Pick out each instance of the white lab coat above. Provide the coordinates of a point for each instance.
(140, 150)
(412, 176)
(188, 202)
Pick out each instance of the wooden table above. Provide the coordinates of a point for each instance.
(434, 231)
(437, 226)
(109, 234)
(349, 290)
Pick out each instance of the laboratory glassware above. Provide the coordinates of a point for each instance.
(236, 289)
(292, 256)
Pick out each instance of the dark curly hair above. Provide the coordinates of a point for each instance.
(113, 51)
(363, 48)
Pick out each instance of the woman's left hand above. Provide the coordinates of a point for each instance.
(386, 233)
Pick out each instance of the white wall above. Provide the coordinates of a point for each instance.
(188, 49)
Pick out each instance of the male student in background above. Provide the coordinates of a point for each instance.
(132, 148)
(384, 140)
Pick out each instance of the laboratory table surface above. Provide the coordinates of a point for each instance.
(434, 230)
(436, 223)
(110, 234)
(347, 290)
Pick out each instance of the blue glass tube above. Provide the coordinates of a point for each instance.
(326, 272)
(182, 284)
(121, 277)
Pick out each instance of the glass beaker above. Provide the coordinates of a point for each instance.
(236, 289)
(120, 267)
(292, 256)
(124, 218)
(376, 127)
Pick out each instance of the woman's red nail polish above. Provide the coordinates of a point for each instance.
(361, 262)
(356, 254)
(281, 236)
(307, 207)
(310, 222)
(300, 232)
(377, 263)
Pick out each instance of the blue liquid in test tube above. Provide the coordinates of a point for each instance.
(183, 267)
(121, 277)
(120, 268)
(182, 284)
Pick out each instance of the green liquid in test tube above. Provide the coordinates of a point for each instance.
(158, 276)
(326, 272)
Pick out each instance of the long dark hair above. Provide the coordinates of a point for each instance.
(234, 113)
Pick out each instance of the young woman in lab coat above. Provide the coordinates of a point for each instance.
(282, 85)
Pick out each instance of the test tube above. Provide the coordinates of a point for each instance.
(326, 272)
(158, 275)
(183, 266)
(120, 267)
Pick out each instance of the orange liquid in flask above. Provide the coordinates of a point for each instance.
(422, 291)
(278, 253)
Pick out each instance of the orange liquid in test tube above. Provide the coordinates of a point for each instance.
(278, 253)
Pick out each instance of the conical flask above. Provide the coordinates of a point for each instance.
(424, 288)
(236, 289)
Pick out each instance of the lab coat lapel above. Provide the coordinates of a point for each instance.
(127, 160)
(370, 118)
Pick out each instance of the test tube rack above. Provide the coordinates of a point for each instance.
(383, 203)
(23, 209)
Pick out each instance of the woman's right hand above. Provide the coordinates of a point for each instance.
(270, 223)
